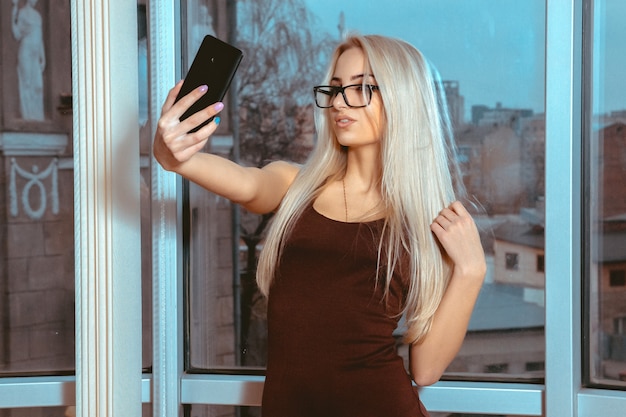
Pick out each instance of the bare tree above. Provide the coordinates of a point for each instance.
(284, 57)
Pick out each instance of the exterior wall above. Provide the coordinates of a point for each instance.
(613, 162)
(613, 299)
(39, 275)
(456, 103)
(611, 308)
(503, 168)
(36, 204)
(533, 131)
(526, 274)
(516, 351)
(501, 164)
(469, 141)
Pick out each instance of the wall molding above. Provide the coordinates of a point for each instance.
(33, 144)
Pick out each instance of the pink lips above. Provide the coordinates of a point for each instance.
(343, 121)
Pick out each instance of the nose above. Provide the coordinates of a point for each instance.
(339, 102)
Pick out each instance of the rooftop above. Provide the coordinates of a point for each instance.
(502, 307)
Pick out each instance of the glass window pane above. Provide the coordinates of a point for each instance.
(606, 200)
(36, 190)
(36, 184)
(145, 149)
(493, 72)
(209, 222)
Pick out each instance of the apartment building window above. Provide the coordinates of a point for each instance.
(496, 368)
(541, 261)
(512, 261)
(535, 366)
(617, 278)
(619, 325)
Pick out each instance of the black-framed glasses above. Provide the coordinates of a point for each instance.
(355, 95)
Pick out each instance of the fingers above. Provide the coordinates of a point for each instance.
(171, 97)
(175, 140)
(170, 124)
(177, 135)
(456, 231)
(171, 151)
(202, 117)
(454, 224)
(450, 215)
(176, 109)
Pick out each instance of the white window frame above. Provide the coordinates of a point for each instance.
(108, 381)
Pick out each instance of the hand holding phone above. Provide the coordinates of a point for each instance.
(214, 65)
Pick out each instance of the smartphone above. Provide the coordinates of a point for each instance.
(214, 65)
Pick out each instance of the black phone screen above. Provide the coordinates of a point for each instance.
(214, 65)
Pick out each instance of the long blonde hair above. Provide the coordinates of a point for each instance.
(418, 176)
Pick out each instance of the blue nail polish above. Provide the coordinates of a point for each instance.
(217, 120)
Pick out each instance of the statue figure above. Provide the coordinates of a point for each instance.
(31, 60)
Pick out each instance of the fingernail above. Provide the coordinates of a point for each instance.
(217, 120)
(203, 88)
(219, 106)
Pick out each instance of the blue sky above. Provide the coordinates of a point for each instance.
(610, 63)
(494, 48)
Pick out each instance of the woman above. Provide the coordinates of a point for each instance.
(366, 231)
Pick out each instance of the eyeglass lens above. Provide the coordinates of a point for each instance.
(354, 95)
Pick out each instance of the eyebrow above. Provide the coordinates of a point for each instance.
(354, 77)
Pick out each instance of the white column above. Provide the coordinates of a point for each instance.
(107, 226)
(164, 68)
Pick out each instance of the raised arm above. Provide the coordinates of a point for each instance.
(258, 190)
(458, 235)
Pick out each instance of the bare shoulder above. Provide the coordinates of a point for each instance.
(270, 186)
(282, 171)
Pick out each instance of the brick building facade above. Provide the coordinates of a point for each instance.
(36, 196)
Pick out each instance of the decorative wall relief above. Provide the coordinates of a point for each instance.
(34, 183)
(31, 59)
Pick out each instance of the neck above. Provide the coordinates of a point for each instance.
(363, 168)
(361, 199)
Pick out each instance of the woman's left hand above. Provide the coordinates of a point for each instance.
(456, 231)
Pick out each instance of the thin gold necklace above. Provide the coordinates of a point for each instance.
(345, 200)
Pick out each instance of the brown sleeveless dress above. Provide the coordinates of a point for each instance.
(331, 352)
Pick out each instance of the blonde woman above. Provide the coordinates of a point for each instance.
(368, 230)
